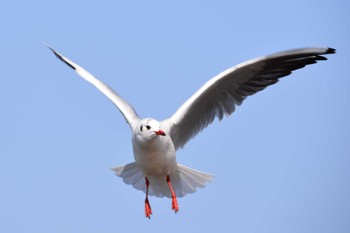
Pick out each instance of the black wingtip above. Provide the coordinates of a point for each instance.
(330, 51)
(59, 56)
(320, 58)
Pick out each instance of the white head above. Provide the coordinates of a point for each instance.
(150, 128)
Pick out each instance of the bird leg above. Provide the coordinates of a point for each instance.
(174, 204)
(148, 210)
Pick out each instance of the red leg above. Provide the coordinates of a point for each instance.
(174, 204)
(148, 210)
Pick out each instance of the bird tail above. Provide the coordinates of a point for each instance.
(188, 180)
(184, 180)
(131, 175)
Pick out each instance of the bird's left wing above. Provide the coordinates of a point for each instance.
(220, 95)
(126, 109)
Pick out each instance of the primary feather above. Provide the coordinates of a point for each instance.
(125, 109)
(220, 95)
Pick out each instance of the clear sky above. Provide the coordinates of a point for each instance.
(281, 161)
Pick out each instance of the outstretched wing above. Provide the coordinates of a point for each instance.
(220, 95)
(127, 110)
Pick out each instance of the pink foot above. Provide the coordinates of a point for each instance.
(148, 210)
(174, 204)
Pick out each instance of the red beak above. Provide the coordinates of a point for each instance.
(160, 132)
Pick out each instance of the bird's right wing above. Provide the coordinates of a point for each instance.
(221, 94)
(126, 109)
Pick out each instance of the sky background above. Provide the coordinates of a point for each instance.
(281, 161)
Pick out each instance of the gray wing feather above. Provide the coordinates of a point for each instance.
(127, 110)
(220, 95)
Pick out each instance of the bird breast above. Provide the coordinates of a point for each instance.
(155, 157)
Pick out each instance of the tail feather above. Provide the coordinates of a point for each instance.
(190, 180)
(131, 175)
(184, 180)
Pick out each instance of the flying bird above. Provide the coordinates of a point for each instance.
(155, 170)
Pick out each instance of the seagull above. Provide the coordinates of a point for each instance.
(155, 170)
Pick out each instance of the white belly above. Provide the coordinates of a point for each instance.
(156, 157)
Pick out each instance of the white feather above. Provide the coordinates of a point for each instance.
(184, 180)
(220, 95)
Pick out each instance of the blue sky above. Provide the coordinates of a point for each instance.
(281, 161)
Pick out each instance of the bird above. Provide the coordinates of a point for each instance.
(155, 170)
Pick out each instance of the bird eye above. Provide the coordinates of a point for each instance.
(141, 128)
(148, 127)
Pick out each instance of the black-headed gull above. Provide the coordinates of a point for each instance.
(155, 170)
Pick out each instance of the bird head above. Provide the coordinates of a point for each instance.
(150, 128)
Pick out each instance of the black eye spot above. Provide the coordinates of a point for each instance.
(141, 128)
(148, 127)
